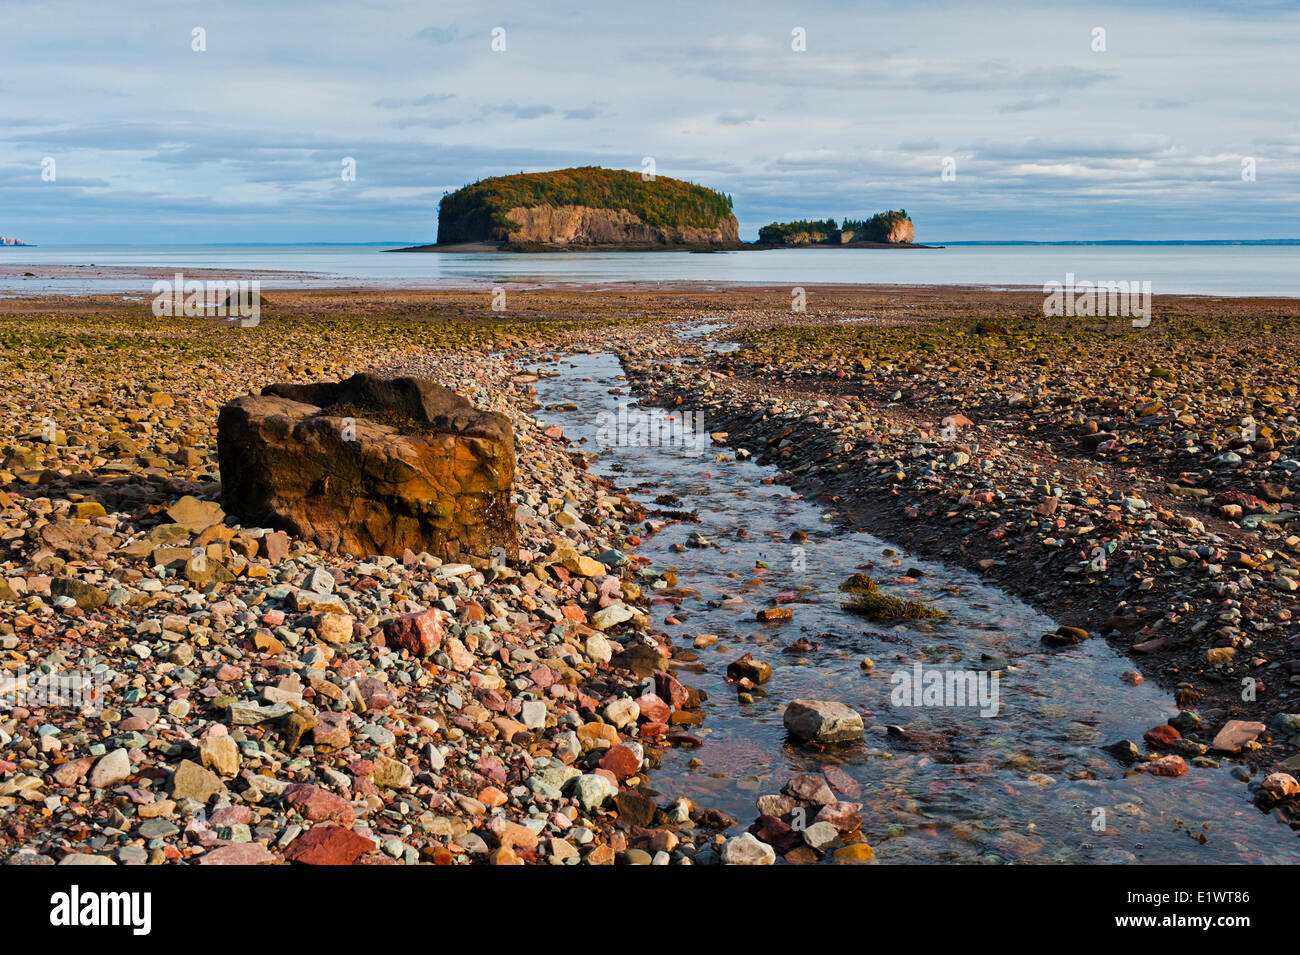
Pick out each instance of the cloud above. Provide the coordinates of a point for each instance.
(1034, 102)
(737, 117)
(931, 75)
(440, 35)
(429, 99)
(519, 112)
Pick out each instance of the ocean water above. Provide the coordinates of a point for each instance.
(1228, 270)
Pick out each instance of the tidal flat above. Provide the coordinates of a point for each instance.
(1122, 499)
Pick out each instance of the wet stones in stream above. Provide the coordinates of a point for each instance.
(937, 779)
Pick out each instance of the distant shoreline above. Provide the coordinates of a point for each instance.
(1202, 242)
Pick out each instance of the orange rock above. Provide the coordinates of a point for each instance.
(856, 854)
(597, 735)
(328, 845)
(601, 855)
(264, 641)
(513, 835)
(508, 727)
(1167, 766)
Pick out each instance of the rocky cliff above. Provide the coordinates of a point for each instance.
(900, 231)
(584, 225)
(893, 227)
(587, 207)
(884, 228)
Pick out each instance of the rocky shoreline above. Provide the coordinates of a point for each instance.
(479, 712)
(255, 700)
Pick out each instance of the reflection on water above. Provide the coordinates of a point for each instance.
(1025, 785)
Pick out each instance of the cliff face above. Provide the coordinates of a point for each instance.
(583, 225)
(806, 238)
(901, 231)
(893, 227)
(587, 207)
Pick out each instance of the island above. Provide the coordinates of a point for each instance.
(584, 209)
(892, 228)
(9, 240)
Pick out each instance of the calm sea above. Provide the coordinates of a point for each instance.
(1193, 269)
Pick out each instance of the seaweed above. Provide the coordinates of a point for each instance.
(868, 602)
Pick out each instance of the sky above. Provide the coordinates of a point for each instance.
(1044, 134)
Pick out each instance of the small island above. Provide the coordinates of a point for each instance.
(583, 209)
(892, 228)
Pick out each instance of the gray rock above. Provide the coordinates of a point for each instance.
(592, 791)
(320, 581)
(1288, 723)
(820, 836)
(744, 849)
(111, 769)
(1124, 750)
(250, 714)
(533, 714)
(157, 829)
(823, 721)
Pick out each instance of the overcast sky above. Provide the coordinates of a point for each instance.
(154, 142)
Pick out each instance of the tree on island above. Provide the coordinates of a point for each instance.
(876, 229)
(802, 232)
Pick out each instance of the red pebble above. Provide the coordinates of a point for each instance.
(1161, 737)
(622, 761)
(418, 633)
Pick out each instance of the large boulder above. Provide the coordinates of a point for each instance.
(371, 466)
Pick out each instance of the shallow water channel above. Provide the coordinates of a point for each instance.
(1028, 784)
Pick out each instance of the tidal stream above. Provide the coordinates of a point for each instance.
(1028, 784)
